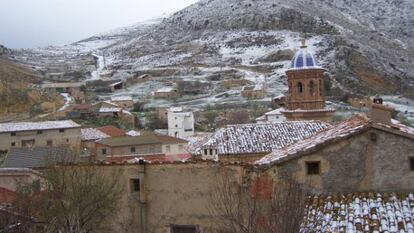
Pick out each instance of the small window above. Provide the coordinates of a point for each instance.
(132, 149)
(313, 168)
(104, 151)
(13, 144)
(49, 143)
(211, 151)
(412, 163)
(183, 229)
(28, 143)
(135, 185)
(67, 140)
(13, 134)
(39, 132)
(176, 126)
(61, 130)
(205, 151)
(168, 148)
(373, 137)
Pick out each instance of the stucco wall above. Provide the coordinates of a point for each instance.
(357, 164)
(170, 194)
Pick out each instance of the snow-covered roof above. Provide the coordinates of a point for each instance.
(121, 98)
(62, 85)
(259, 138)
(165, 89)
(326, 109)
(116, 83)
(362, 212)
(133, 133)
(342, 130)
(175, 109)
(93, 134)
(275, 112)
(109, 110)
(44, 125)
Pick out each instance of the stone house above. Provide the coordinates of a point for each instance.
(64, 87)
(357, 155)
(253, 92)
(166, 93)
(127, 147)
(125, 102)
(46, 133)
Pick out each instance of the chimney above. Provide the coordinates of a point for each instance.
(380, 113)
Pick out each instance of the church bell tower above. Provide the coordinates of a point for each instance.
(306, 100)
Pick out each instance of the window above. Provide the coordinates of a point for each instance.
(373, 136)
(168, 148)
(132, 149)
(104, 151)
(39, 132)
(67, 140)
(312, 88)
(28, 143)
(300, 87)
(49, 143)
(313, 168)
(211, 151)
(176, 126)
(61, 130)
(13, 144)
(183, 229)
(13, 134)
(412, 163)
(205, 151)
(135, 185)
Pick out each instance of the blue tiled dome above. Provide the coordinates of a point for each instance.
(303, 59)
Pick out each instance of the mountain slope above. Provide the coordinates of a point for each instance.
(17, 95)
(363, 43)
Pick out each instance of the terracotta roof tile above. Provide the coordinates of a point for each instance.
(361, 212)
(258, 138)
(337, 132)
(112, 131)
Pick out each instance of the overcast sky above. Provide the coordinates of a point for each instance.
(33, 23)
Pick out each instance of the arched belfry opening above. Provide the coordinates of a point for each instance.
(306, 95)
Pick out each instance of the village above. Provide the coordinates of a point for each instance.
(359, 170)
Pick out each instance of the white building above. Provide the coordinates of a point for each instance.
(180, 123)
(275, 116)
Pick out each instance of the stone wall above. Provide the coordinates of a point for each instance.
(373, 161)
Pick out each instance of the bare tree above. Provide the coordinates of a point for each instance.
(73, 199)
(260, 207)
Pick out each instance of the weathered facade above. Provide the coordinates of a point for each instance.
(47, 133)
(170, 196)
(357, 155)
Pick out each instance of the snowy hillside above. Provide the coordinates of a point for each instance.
(363, 44)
